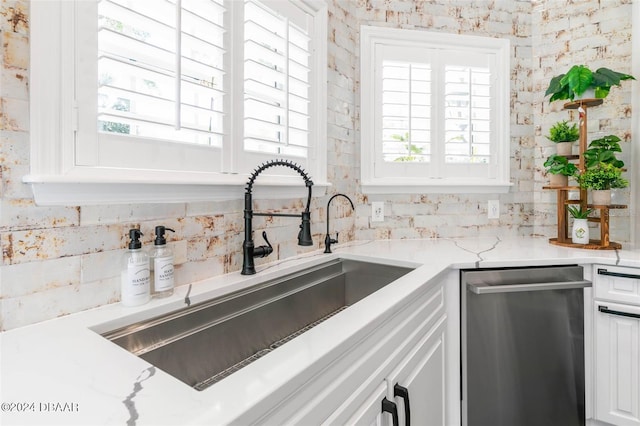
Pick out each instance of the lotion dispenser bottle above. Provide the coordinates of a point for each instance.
(161, 262)
(135, 282)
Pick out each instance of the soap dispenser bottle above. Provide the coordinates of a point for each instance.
(135, 282)
(161, 262)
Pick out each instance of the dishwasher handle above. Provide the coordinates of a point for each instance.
(482, 288)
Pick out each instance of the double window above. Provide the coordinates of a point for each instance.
(435, 113)
(194, 91)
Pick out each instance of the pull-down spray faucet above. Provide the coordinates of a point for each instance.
(328, 240)
(249, 251)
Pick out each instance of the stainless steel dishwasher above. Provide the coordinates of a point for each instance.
(522, 332)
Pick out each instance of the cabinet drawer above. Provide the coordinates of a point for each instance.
(618, 284)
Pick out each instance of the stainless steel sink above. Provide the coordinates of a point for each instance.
(205, 343)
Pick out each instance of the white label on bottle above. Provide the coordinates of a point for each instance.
(136, 290)
(163, 273)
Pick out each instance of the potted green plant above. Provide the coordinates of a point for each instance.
(603, 151)
(559, 169)
(579, 79)
(564, 135)
(580, 229)
(579, 212)
(601, 179)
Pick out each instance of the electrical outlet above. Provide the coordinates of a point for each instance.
(377, 211)
(493, 209)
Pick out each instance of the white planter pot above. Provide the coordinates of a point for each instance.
(558, 180)
(564, 148)
(588, 94)
(601, 197)
(580, 231)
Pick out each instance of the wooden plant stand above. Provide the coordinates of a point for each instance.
(564, 237)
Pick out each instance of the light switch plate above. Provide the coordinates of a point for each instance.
(493, 209)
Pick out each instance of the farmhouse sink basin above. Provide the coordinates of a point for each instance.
(207, 342)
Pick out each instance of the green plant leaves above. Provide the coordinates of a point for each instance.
(604, 78)
(602, 92)
(607, 77)
(603, 151)
(554, 85)
(578, 213)
(579, 79)
(603, 176)
(563, 132)
(557, 164)
(411, 149)
(557, 89)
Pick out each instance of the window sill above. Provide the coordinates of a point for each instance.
(438, 186)
(72, 191)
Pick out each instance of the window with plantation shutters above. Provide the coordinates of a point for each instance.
(176, 92)
(435, 113)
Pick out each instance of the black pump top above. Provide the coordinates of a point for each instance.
(160, 239)
(134, 235)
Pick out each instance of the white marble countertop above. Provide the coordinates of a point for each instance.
(62, 372)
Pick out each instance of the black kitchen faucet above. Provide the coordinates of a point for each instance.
(327, 239)
(249, 251)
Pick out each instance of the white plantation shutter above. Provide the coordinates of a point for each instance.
(467, 114)
(406, 111)
(470, 132)
(277, 78)
(160, 78)
(405, 117)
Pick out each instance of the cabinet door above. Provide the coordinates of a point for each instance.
(617, 364)
(345, 386)
(422, 373)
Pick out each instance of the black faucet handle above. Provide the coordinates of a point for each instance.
(328, 241)
(263, 251)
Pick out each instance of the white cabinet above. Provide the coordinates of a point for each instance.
(415, 366)
(422, 375)
(416, 386)
(407, 348)
(617, 345)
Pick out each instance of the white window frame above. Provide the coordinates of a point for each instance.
(498, 179)
(57, 179)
